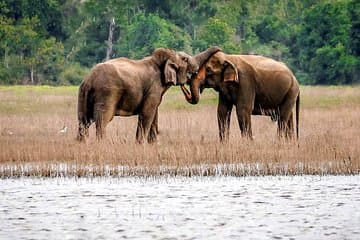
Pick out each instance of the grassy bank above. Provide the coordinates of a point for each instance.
(31, 144)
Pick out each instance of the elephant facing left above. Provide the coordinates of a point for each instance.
(125, 87)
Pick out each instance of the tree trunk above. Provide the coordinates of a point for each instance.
(32, 75)
(5, 58)
(110, 39)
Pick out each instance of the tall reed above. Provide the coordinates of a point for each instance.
(31, 143)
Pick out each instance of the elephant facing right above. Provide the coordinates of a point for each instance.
(255, 85)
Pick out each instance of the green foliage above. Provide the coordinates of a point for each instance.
(217, 32)
(72, 74)
(149, 31)
(13, 71)
(47, 11)
(339, 65)
(26, 53)
(325, 50)
(56, 41)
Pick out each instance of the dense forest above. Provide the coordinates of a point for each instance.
(57, 41)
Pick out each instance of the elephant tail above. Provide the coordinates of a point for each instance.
(85, 110)
(297, 115)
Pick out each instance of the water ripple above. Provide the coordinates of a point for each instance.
(305, 207)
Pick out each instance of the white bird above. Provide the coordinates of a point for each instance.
(7, 132)
(63, 130)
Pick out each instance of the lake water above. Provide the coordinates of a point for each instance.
(298, 207)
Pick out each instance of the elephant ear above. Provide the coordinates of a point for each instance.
(170, 72)
(230, 72)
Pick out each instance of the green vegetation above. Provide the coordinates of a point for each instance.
(55, 42)
(42, 99)
(46, 99)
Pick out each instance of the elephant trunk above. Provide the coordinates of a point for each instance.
(193, 96)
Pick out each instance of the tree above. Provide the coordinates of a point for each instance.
(149, 31)
(28, 52)
(47, 11)
(324, 50)
(37, 53)
(6, 31)
(217, 33)
(332, 65)
(354, 11)
(319, 39)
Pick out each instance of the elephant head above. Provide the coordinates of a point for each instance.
(175, 65)
(197, 79)
(212, 72)
(192, 64)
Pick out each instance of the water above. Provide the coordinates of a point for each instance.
(301, 207)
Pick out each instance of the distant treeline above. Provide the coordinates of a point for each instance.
(56, 41)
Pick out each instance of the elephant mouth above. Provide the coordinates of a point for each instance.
(189, 76)
(209, 72)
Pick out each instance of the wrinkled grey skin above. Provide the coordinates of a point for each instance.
(256, 85)
(192, 64)
(125, 87)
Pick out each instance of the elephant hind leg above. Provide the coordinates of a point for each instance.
(285, 121)
(286, 127)
(103, 115)
(289, 131)
(244, 119)
(83, 132)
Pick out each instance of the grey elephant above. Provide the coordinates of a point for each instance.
(125, 87)
(256, 85)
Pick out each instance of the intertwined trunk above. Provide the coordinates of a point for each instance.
(194, 95)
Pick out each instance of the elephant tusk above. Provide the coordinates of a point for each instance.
(186, 93)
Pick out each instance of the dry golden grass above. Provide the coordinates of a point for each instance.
(31, 144)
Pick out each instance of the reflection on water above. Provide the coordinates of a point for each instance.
(301, 207)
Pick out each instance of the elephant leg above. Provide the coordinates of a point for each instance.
(103, 115)
(83, 131)
(146, 118)
(244, 119)
(285, 128)
(224, 116)
(289, 132)
(153, 129)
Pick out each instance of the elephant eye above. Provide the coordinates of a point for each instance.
(215, 62)
(185, 59)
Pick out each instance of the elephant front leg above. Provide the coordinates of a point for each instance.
(224, 115)
(244, 119)
(146, 118)
(152, 137)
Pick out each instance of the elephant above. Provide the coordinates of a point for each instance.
(126, 87)
(256, 85)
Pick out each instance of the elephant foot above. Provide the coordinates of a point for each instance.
(81, 139)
